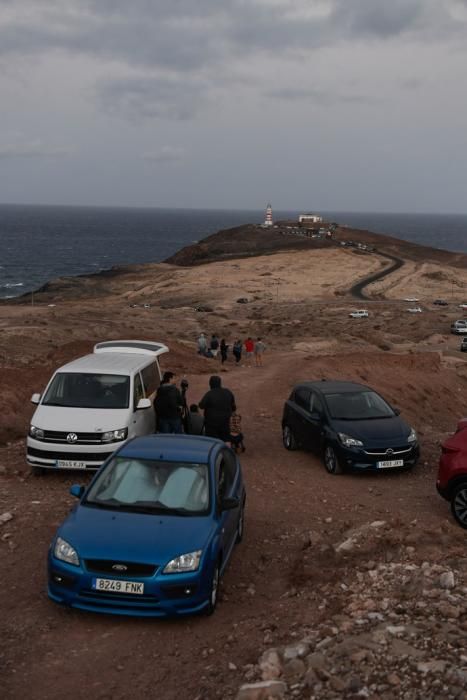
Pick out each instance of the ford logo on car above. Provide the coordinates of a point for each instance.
(72, 437)
(119, 567)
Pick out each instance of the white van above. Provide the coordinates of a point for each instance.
(93, 404)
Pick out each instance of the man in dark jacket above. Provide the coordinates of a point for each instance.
(168, 406)
(218, 405)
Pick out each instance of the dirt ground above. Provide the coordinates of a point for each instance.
(50, 652)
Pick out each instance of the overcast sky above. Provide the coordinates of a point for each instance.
(312, 104)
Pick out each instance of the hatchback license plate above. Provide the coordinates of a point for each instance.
(70, 464)
(390, 463)
(115, 586)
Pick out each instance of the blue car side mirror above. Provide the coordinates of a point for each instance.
(229, 503)
(76, 490)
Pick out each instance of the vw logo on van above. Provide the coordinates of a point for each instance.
(72, 437)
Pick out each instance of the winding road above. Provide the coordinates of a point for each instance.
(357, 289)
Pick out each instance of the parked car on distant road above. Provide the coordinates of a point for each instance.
(459, 327)
(411, 300)
(360, 313)
(349, 425)
(415, 310)
(441, 302)
(452, 472)
(462, 306)
(153, 532)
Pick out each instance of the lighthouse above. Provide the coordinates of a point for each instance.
(268, 221)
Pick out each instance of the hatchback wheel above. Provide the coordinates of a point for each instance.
(288, 438)
(459, 504)
(214, 591)
(331, 461)
(241, 524)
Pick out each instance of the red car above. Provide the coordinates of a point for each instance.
(452, 472)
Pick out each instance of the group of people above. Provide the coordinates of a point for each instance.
(214, 347)
(219, 420)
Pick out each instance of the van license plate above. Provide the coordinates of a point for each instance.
(70, 464)
(115, 586)
(390, 463)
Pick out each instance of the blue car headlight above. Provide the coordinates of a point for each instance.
(349, 441)
(65, 552)
(184, 563)
(413, 436)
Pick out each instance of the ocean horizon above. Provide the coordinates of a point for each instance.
(42, 242)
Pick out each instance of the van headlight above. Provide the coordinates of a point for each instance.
(184, 563)
(413, 436)
(115, 435)
(65, 552)
(36, 433)
(349, 441)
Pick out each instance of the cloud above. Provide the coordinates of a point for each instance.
(318, 97)
(34, 149)
(147, 97)
(175, 54)
(165, 154)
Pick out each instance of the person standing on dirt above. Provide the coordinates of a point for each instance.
(224, 349)
(249, 349)
(214, 345)
(218, 405)
(260, 347)
(202, 344)
(237, 351)
(168, 406)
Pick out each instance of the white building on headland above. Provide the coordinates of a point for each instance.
(310, 219)
(268, 221)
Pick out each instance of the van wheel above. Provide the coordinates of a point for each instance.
(38, 471)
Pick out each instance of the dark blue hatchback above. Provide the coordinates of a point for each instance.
(153, 532)
(349, 425)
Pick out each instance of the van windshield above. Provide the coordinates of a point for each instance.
(80, 390)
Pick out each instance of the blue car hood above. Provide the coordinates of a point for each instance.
(98, 533)
(387, 432)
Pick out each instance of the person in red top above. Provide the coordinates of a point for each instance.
(249, 350)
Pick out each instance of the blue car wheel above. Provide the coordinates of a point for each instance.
(214, 591)
(331, 460)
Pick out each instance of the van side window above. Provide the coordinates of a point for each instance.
(302, 397)
(316, 405)
(138, 392)
(150, 379)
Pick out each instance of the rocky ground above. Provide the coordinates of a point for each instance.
(350, 586)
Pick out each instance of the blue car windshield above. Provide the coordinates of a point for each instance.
(152, 486)
(85, 390)
(361, 405)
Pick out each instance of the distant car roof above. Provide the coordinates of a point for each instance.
(176, 448)
(108, 363)
(332, 387)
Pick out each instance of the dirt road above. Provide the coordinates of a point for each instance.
(47, 652)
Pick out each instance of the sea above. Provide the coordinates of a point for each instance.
(40, 243)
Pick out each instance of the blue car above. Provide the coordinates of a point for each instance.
(153, 532)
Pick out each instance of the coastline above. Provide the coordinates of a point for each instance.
(242, 242)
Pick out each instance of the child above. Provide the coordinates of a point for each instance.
(236, 435)
(195, 421)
